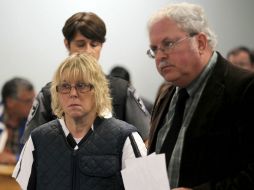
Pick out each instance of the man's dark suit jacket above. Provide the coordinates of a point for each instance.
(218, 150)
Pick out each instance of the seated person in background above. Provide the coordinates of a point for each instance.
(85, 146)
(85, 32)
(17, 98)
(121, 72)
(242, 57)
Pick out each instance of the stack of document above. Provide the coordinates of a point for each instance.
(146, 173)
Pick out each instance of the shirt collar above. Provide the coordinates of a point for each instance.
(193, 87)
(64, 127)
(106, 115)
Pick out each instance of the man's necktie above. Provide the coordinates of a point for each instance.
(171, 138)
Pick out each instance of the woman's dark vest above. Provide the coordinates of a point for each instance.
(96, 165)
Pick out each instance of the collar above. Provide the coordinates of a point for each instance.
(64, 127)
(193, 87)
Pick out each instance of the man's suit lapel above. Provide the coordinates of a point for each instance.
(210, 100)
(161, 103)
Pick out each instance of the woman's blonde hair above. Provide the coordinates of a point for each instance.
(83, 68)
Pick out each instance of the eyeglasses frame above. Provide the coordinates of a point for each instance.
(167, 49)
(88, 85)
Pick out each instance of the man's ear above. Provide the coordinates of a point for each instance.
(202, 42)
(67, 45)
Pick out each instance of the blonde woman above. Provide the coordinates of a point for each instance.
(85, 147)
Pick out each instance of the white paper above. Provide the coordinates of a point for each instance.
(3, 137)
(146, 173)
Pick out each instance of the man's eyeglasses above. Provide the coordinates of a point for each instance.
(81, 87)
(166, 46)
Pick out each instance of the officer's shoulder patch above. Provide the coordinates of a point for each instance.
(137, 99)
(33, 110)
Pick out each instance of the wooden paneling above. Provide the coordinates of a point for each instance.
(6, 181)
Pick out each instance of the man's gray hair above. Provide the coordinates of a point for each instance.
(12, 87)
(189, 17)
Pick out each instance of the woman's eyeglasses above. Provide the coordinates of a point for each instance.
(81, 87)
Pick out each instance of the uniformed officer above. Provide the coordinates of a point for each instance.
(85, 32)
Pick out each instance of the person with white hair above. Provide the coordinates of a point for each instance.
(202, 121)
